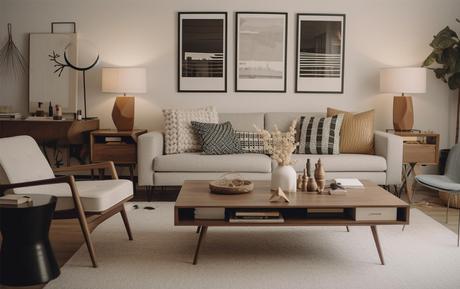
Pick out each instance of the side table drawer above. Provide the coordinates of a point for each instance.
(419, 153)
(117, 153)
(376, 214)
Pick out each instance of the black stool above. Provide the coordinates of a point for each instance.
(26, 256)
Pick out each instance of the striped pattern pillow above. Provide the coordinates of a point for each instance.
(217, 138)
(251, 142)
(320, 135)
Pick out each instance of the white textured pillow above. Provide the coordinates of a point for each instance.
(179, 134)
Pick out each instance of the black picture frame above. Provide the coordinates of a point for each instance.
(314, 88)
(262, 82)
(220, 82)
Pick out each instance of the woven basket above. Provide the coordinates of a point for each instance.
(232, 187)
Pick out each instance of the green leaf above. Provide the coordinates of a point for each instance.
(454, 81)
(429, 60)
(440, 73)
(444, 39)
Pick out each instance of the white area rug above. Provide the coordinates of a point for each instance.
(423, 256)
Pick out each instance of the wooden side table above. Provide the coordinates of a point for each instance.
(419, 148)
(117, 146)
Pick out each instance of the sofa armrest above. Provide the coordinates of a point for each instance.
(149, 146)
(390, 147)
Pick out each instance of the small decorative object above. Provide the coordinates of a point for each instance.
(40, 111)
(320, 53)
(202, 52)
(12, 62)
(124, 80)
(403, 80)
(79, 117)
(50, 109)
(311, 184)
(280, 147)
(261, 52)
(304, 180)
(320, 176)
(231, 186)
(446, 45)
(279, 196)
(86, 58)
(58, 115)
(299, 182)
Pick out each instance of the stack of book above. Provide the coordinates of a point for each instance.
(257, 217)
(10, 115)
(14, 200)
(210, 213)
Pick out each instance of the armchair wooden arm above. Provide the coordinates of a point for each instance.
(78, 168)
(64, 179)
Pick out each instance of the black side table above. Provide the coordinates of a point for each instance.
(26, 257)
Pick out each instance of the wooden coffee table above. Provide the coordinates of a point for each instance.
(368, 206)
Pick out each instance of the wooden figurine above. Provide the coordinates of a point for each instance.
(320, 176)
(279, 196)
(304, 181)
(311, 183)
(299, 182)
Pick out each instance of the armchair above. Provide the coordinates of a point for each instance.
(24, 170)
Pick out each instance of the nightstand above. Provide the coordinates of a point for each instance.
(117, 146)
(419, 148)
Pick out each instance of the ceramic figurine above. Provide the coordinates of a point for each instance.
(304, 181)
(311, 183)
(320, 176)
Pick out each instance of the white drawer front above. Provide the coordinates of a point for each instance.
(375, 214)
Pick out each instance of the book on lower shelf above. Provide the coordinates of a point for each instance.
(14, 200)
(209, 213)
(270, 220)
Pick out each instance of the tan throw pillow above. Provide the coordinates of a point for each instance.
(357, 134)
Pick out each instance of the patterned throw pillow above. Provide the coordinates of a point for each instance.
(251, 142)
(320, 135)
(179, 134)
(217, 138)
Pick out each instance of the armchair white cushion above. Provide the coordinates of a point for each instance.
(22, 161)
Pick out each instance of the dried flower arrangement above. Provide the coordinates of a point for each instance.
(280, 145)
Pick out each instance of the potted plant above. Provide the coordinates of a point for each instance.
(444, 60)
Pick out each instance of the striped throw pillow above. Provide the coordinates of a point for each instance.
(251, 142)
(217, 138)
(320, 135)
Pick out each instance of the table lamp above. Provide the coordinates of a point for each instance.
(403, 80)
(123, 80)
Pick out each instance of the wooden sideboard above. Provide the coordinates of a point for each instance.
(71, 134)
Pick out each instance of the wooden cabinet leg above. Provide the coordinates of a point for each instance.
(377, 243)
(203, 231)
(198, 229)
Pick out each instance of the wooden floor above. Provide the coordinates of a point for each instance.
(66, 237)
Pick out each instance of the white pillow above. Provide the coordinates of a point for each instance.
(179, 134)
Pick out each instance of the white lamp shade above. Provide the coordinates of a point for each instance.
(124, 80)
(403, 80)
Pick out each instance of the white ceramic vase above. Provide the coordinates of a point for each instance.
(284, 177)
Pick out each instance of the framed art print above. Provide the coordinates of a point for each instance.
(202, 59)
(320, 53)
(261, 47)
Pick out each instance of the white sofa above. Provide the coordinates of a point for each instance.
(157, 169)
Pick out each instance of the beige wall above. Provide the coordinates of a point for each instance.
(144, 33)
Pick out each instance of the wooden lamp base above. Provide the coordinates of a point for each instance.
(403, 113)
(123, 113)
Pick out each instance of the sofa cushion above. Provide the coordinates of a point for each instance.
(217, 138)
(244, 121)
(341, 162)
(196, 162)
(357, 134)
(319, 135)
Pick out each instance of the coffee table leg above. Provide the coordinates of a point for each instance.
(377, 243)
(203, 231)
